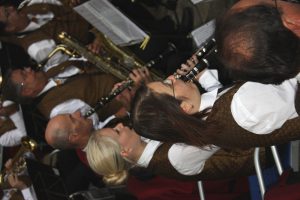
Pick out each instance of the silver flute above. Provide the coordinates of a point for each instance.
(129, 82)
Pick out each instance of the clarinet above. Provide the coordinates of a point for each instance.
(204, 55)
(129, 82)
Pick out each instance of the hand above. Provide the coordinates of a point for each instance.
(8, 164)
(15, 182)
(140, 75)
(95, 46)
(188, 66)
(124, 97)
(122, 112)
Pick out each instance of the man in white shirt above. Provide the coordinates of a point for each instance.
(27, 84)
(267, 62)
(30, 27)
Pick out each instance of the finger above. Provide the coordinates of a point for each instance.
(195, 59)
(146, 71)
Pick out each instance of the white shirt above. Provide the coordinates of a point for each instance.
(29, 193)
(13, 137)
(263, 108)
(260, 108)
(73, 105)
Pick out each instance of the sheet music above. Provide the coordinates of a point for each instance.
(198, 1)
(203, 33)
(111, 22)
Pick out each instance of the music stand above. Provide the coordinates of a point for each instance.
(46, 183)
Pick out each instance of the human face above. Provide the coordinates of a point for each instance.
(126, 137)
(30, 82)
(75, 126)
(186, 92)
(78, 124)
(10, 17)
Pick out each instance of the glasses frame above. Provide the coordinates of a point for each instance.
(171, 84)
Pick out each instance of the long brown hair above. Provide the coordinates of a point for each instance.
(160, 117)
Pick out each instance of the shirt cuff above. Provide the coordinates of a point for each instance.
(209, 80)
(102, 124)
(148, 152)
(27, 194)
(208, 99)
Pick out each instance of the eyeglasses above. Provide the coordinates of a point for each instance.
(169, 83)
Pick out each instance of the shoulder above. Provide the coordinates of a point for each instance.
(189, 160)
(256, 103)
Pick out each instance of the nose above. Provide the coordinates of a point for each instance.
(119, 126)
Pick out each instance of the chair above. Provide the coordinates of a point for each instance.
(266, 178)
(201, 190)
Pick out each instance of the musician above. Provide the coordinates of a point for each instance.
(111, 152)
(36, 25)
(28, 85)
(64, 133)
(20, 186)
(253, 118)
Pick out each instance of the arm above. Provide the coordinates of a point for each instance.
(263, 108)
(13, 137)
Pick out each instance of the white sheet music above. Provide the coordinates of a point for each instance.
(198, 1)
(111, 22)
(203, 33)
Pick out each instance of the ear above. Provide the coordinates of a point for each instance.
(186, 107)
(73, 137)
(125, 152)
(292, 24)
(119, 126)
(26, 91)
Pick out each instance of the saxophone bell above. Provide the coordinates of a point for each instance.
(18, 161)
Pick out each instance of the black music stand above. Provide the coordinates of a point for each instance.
(46, 183)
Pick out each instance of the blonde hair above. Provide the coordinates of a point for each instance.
(103, 155)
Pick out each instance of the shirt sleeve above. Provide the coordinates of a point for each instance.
(28, 193)
(55, 2)
(263, 108)
(209, 80)
(189, 160)
(40, 50)
(13, 137)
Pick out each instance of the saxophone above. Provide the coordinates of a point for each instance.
(126, 84)
(18, 161)
(114, 60)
